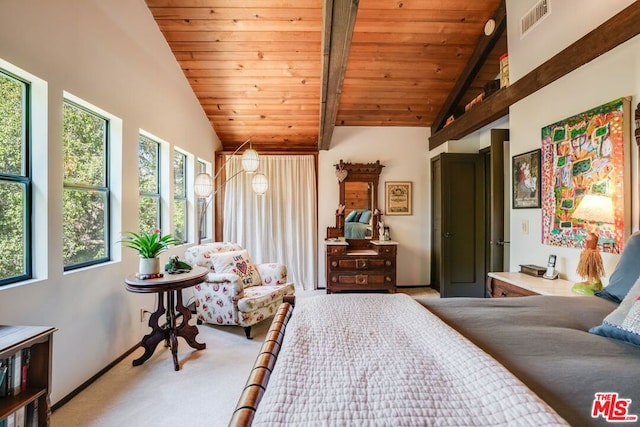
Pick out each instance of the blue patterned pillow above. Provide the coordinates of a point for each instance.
(351, 216)
(365, 217)
(623, 323)
(626, 272)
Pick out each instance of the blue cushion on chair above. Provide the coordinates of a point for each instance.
(626, 272)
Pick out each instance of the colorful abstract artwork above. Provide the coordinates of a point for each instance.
(586, 154)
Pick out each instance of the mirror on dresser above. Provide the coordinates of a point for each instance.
(357, 260)
(358, 184)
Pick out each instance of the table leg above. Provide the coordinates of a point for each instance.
(150, 341)
(185, 330)
(171, 324)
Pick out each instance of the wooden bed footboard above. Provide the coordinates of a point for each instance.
(259, 377)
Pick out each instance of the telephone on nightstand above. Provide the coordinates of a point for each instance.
(551, 272)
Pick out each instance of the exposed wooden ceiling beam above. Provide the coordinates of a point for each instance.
(478, 57)
(338, 21)
(615, 31)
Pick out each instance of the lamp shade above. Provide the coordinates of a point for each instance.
(595, 208)
(203, 185)
(260, 183)
(250, 161)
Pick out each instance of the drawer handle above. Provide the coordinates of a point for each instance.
(334, 263)
(387, 278)
(387, 263)
(361, 263)
(334, 279)
(362, 279)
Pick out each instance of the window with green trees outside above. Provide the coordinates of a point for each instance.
(15, 180)
(86, 187)
(180, 196)
(149, 181)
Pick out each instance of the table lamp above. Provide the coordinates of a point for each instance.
(593, 209)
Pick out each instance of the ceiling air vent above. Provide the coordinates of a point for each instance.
(533, 17)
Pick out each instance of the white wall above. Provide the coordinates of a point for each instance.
(404, 153)
(568, 21)
(112, 55)
(612, 75)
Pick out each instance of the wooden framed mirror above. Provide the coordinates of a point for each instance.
(359, 195)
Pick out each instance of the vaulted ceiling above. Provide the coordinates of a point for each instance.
(286, 72)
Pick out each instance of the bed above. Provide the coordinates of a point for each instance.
(545, 361)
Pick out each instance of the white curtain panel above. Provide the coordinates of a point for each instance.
(281, 225)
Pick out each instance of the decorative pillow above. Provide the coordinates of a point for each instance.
(365, 216)
(623, 323)
(626, 272)
(237, 262)
(351, 216)
(357, 217)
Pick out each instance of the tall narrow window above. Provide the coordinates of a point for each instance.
(202, 206)
(86, 187)
(149, 179)
(180, 196)
(15, 180)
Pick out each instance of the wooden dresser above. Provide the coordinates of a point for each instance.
(369, 267)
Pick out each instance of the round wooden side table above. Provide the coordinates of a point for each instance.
(168, 288)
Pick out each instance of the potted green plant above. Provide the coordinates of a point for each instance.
(149, 246)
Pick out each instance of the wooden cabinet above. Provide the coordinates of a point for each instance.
(371, 268)
(36, 343)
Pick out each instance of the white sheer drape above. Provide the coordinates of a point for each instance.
(279, 226)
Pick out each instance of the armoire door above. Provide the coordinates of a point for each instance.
(458, 229)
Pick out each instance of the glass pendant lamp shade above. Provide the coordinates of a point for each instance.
(203, 185)
(250, 160)
(260, 183)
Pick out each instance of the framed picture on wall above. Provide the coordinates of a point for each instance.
(398, 197)
(526, 180)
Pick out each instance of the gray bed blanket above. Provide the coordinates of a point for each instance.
(543, 340)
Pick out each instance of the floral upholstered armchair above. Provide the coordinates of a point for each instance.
(236, 291)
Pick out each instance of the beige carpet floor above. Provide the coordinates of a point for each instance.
(204, 392)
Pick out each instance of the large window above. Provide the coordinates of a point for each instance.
(149, 178)
(15, 180)
(203, 207)
(180, 196)
(86, 187)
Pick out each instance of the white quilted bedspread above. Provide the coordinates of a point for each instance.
(384, 360)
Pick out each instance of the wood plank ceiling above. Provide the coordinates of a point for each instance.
(258, 67)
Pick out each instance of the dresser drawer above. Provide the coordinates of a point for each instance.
(361, 263)
(336, 249)
(388, 250)
(506, 290)
(361, 279)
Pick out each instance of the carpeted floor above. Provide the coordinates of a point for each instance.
(203, 393)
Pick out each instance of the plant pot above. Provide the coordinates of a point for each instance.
(149, 266)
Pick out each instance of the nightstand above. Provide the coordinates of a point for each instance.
(504, 284)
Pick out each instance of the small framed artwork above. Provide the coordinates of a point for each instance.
(398, 197)
(526, 180)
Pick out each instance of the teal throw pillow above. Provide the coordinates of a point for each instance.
(626, 272)
(351, 216)
(623, 323)
(365, 217)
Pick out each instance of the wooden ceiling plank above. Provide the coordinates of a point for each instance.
(243, 46)
(264, 37)
(228, 13)
(194, 25)
(339, 17)
(613, 32)
(477, 59)
(251, 4)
